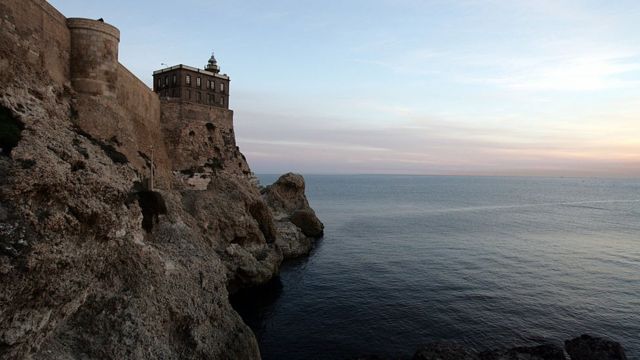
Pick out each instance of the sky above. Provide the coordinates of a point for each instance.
(468, 87)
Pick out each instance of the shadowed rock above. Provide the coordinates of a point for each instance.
(152, 205)
(443, 351)
(308, 222)
(587, 347)
(10, 128)
(540, 352)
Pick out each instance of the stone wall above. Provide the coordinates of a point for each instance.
(129, 133)
(135, 96)
(43, 32)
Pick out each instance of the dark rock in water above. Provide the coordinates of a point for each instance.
(308, 222)
(443, 351)
(541, 352)
(587, 347)
(583, 348)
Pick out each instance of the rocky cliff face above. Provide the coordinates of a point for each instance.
(295, 220)
(92, 264)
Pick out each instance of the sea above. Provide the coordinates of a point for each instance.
(486, 262)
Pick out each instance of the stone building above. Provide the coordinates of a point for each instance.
(195, 85)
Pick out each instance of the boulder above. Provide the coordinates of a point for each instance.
(287, 194)
(308, 222)
(587, 347)
(296, 223)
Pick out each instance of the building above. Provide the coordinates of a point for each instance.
(194, 85)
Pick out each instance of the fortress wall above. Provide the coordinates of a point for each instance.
(132, 133)
(142, 107)
(130, 122)
(43, 33)
(137, 98)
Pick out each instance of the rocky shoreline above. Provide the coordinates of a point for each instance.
(584, 347)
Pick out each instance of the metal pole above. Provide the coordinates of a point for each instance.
(151, 171)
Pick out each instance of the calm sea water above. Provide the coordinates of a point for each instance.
(487, 262)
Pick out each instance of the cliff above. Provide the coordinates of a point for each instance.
(94, 262)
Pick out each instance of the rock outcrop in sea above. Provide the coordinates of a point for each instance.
(585, 347)
(97, 260)
(295, 220)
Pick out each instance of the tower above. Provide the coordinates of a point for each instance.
(94, 56)
(212, 64)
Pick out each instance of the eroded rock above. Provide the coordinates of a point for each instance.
(297, 223)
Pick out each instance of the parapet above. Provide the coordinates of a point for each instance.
(94, 56)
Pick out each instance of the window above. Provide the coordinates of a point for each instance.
(159, 83)
(198, 82)
(174, 80)
(187, 80)
(188, 93)
(221, 100)
(199, 95)
(166, 81)
(208, 84)
(222, 87)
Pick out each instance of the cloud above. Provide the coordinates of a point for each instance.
(569, 73)
(440, 145)
(573, 67)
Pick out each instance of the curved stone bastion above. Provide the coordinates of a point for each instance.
(94, 56)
